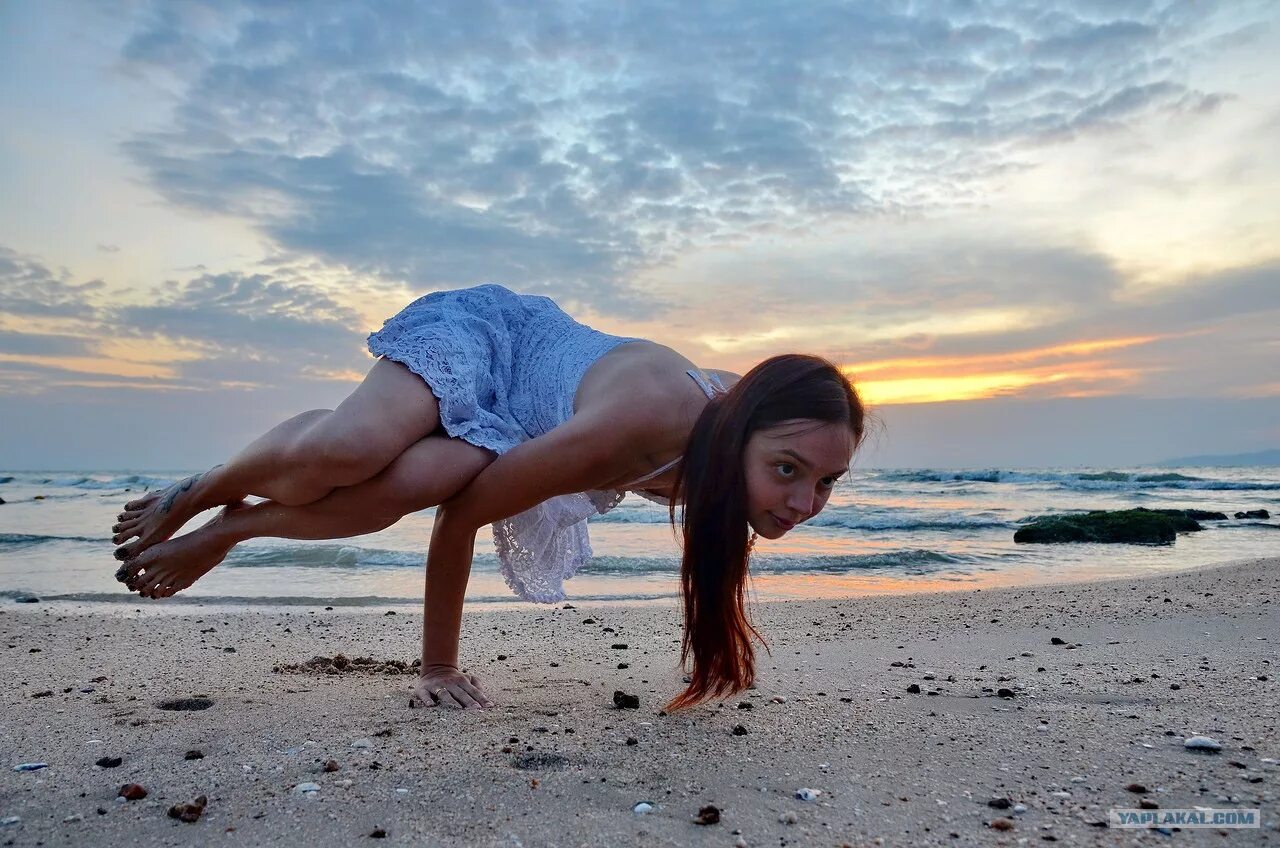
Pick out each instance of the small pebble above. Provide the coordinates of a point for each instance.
(307, 788)
(1137, 788)
(1019, 808)
(806, 794)
(132, 792)
(189, 813)
(642, 808)
(710, 814)
(1202, 743)
(778, 699)
(999, 803)
(623, 701)
(30, 766)
(914, 689)
(193, 755)
(739, 730)
(8, 820)
(788, 818)
(331, 765)
(1001, 824)
(362, 743)
(108, 762)
(1004, 693)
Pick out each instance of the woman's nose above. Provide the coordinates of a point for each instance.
(801, 504)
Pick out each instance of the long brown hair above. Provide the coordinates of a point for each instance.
(713, 523)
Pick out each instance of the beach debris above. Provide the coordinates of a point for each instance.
(132, 792)
(30, 766)
(739, 730)
(189, 813)
(1137, 789)
(1202, 743)
(539, 760)
(623, 701)
(193, 755)
(914, 689)
(806, 794)
(196, 702)
(307, 788)
(1001, 824)
(342, 664)
(362, 743)
(108, 762)
(378, 833)
(999, 803)
(642, 807)
(710, 814)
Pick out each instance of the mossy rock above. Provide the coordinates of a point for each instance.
(1187, 520)
(1131, 526)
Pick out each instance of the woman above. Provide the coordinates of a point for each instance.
(499, 408)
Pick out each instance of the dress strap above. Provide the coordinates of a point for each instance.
(711, 387)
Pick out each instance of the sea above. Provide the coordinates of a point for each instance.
(882, 531)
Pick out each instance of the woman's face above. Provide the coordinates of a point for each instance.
(791, 469)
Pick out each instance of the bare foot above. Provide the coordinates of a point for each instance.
(155, 517)
(173, 565)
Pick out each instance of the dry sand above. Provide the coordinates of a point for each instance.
(555, 763)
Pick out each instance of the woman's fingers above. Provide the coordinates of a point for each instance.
(473, 689)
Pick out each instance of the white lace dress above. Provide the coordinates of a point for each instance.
(505, 368)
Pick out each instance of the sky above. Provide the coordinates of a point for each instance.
(1034, 234)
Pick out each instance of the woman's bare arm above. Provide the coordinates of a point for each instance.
(583, 453)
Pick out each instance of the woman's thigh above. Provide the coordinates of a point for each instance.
(387, 413)
(427, 473)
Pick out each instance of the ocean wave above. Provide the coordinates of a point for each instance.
(90, 481)
(1082, 480)
(783, 563)
(16, 540)
(869, 518)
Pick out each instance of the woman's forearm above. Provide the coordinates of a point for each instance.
(448, 569)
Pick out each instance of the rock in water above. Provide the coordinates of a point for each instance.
(1132, 526)
(1202, 743)
(1254, 513)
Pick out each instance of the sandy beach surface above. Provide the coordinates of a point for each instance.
(1143, 664)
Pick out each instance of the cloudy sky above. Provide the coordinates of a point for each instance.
(1034, 233)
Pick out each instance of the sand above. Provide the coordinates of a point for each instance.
(555, 763)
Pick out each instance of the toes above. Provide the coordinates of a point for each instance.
(142, 501)
(128, 572)
(125, 552)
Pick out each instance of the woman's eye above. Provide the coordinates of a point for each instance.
(786, 465)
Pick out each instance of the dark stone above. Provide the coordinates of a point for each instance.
(109, 762)
(623, 701)
(709, 814)
(914, 688)
(132, 792)
(747, 705)
(28, 599)
(189, 813)
(739, 730)
(999, 803)
(186, 704)
(1132, 526)
(1190, 515)
(1254, 513)
(542, 761)
(193, 755)
(1136, 789)
(1004, 693)
(1056, 641)
(378, 833)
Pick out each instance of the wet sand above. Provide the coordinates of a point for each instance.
(1143, 664)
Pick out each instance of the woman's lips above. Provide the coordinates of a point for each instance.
(785, 525)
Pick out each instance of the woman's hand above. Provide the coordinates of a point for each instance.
(446, 686)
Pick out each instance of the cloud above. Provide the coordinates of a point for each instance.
(568, 147)
(29, 289)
